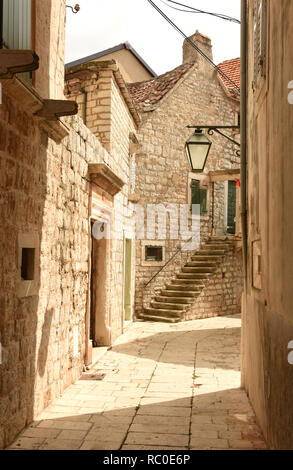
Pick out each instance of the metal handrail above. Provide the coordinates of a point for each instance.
(172, 257)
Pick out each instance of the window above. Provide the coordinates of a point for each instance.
(15, 24)
(28, 264)
(199, 196)
(154, 253)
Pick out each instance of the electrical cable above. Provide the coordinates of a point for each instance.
(196, 10)
(234, 85)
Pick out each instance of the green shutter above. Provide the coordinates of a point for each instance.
(231, 208)
(199, 196)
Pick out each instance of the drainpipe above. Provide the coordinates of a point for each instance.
(243, 112)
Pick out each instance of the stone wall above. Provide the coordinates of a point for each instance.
(220, 296)
(222, 293)
(163, 173)
(44, 198)
(104, 110)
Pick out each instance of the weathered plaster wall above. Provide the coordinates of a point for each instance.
(267, 319)
(49, 43)
(131, 69)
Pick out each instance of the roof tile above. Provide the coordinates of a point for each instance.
(147, 94)
(231, 68)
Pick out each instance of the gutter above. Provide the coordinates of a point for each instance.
(243, 114)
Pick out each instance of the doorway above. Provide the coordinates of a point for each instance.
(128, 280)
(99, 331)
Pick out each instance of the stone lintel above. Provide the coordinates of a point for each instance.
(105, 178)
(17, 61)
(224, 175)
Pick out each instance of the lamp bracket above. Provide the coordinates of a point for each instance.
(212, 129)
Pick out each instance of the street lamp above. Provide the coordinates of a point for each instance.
(197, 148)
(198, 145)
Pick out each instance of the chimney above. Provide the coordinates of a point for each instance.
(191, 54)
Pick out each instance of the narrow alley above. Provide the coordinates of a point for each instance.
(161, 386)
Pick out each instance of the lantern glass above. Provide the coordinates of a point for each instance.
(197, 148)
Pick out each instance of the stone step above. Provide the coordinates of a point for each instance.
(168, 306)
(193, 276)
(188, 282)
(218, 246)
(180, 293)
(207, 251)
(148, 317)
(159, 312)
(223, 239)
(174, 300)
(201, 264)
(196, 270)
(206, 258)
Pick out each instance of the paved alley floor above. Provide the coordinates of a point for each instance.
(163, 386)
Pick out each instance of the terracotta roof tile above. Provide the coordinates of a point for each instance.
(147, 94)
(232, 69)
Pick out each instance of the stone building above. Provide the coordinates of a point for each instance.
(57, 178)
(192, 94)
(267, 202)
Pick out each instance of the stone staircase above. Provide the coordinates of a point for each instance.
(177, 297)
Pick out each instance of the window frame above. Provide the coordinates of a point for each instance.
(203, 210)
(153, 247)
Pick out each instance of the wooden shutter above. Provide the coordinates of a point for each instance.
(231, 207)
(260, 39)
(16, 24)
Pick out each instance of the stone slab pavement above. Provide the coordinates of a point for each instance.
(161, 387)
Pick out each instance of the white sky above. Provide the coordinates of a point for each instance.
(101, 24)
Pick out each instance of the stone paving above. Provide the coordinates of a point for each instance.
(163, 386)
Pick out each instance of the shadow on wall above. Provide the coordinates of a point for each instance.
(23, 206)
(43, 348)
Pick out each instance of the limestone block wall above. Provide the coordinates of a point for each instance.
(222, 293)
(122, 126)
(44, 203)
(163, 173)
(105, 112)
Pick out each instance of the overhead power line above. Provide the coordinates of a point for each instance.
(234, 85)
(196, 10)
